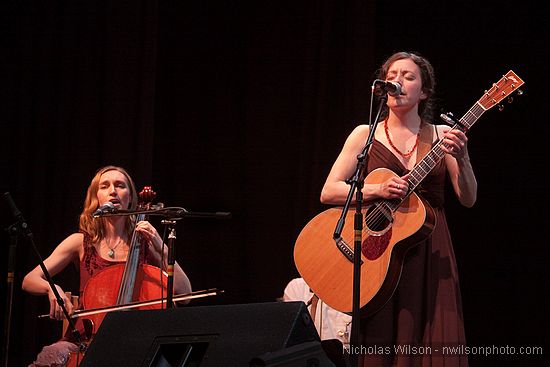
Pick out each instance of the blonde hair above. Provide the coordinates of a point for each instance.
(95, 227)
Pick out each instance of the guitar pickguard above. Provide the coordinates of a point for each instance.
(374, 246)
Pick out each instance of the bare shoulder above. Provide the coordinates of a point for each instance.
(358, 136)
(73, 242)
(361, 130)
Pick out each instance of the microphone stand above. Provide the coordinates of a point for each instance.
(356, 186)
(14, 230)
(170, 261)
(173, 214)
(22, 227)
(180, 214)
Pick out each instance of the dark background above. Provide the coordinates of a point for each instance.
(242, 107)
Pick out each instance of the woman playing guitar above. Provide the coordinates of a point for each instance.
(425, 310)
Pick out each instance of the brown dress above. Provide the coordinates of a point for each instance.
(422, 324)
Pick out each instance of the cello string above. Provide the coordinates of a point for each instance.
(132, 261)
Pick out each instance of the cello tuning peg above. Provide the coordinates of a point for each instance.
(146, 196)
(501, 107)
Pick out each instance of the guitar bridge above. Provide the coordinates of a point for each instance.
(345, 249)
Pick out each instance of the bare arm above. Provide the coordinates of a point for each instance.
(35, 281)
(335, 190)
(459, 167)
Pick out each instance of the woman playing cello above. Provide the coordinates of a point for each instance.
(99, 244)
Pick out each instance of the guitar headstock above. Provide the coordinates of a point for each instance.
(507, 85)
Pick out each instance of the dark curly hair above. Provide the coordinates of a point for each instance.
(426, 106)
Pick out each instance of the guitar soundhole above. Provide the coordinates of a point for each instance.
(378, 218)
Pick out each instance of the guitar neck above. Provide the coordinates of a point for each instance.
(500, 90)
(428, 163)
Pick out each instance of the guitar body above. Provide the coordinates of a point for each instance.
(329, 272)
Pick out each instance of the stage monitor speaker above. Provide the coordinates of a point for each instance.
(228, 335)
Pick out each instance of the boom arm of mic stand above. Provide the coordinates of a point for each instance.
(174, 213)
(356, 179)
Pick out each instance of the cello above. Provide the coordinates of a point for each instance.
(137, 282)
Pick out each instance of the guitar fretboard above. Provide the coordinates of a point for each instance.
(430, 160)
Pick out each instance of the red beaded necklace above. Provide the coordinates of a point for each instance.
(406, 154)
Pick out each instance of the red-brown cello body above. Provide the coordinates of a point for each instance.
(137, 283)
(99, 291)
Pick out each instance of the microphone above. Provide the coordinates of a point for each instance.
(16, 212)
(106, 208)
(392, 88)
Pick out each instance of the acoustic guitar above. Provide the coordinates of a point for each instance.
(391, 228)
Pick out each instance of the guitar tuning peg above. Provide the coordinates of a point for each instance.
(519, 92)
(501, 107)
(510, 99)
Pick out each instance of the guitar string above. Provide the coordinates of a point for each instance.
(473, 114)
(379, 217)
(376, 214)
